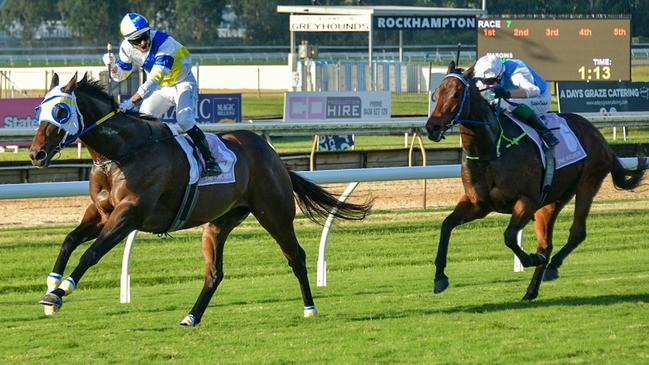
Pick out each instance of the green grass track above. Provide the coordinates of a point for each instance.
(377, 309)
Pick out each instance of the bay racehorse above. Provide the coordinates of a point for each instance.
(138, 180)
(509, 180)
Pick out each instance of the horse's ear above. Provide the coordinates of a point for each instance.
(71, 85)
(54, 81)
(85, 77)
(468, 74)
(451, 67)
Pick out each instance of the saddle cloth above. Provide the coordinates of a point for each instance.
(568, 151)
(223, 155)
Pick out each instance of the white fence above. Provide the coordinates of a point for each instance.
(36, 190)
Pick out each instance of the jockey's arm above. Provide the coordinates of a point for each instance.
(123, 66)
(524, 81)
(152, 83)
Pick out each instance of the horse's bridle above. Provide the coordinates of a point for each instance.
(69, 102)
(466, 99)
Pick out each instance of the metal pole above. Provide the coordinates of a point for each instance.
(369, 57)
(109, 49)
(400, 45)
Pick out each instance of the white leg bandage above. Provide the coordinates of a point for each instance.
(310, 311)
(68, 285)
(53, 281)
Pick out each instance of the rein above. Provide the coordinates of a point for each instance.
(457, 120)
(68, 141)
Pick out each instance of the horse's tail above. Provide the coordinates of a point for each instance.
(317, 203)
(628, 179)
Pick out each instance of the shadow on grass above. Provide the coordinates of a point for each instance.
(570, 301)
(496, 307)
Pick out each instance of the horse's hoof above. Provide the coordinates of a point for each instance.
(534, 259)
(189, 321)
(440, 285)
(529, 296)
(310, 311)
(550, 274)
(51, 303)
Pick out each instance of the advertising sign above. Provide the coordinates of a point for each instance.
(337, 106)
(335, 143)
(330, 23)
(213, 108)
(603, 97)
(18, 113)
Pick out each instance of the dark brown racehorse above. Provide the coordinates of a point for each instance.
(510, 181)
(138, 179)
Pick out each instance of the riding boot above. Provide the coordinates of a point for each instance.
(535, 122)
(211, 166)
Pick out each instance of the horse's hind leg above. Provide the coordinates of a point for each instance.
(586, 191)
(214, 236)
(544, 226)
(277, 219)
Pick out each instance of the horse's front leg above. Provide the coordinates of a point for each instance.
(121, 222)
(465, 211)
(87, 230)
(521, 215)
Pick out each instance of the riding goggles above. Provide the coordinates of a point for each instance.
(146, 36)
(487, 80)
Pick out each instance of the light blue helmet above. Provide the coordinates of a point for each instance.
(133, 25)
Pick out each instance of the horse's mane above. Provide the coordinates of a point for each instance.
(96, 90)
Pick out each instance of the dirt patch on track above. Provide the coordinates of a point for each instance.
(388, 195)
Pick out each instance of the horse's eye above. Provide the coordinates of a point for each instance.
(62, 113)
(456, 95)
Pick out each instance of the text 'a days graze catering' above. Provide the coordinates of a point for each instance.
(603, 97)
(18, 113)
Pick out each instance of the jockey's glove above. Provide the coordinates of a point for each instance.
(108, 59)
(501, 93)
(126, 105)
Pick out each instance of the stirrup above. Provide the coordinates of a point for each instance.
(211, 169)
(549, 139)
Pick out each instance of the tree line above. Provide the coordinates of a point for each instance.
(196, 22)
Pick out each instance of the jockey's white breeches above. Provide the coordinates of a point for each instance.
(540, 104)
(183, 95)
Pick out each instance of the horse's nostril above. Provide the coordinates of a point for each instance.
(39, 156)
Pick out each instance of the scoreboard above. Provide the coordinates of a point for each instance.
(562, 49)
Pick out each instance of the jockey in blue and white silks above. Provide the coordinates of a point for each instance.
(170, 81)
(527, 93)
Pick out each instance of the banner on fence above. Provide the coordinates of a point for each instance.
(603, 97)
(18, 113)
(337, 106)
(213, 108)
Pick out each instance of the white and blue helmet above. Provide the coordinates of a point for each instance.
(133, 25)
(488, 67)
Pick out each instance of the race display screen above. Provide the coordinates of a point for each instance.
(562, 49)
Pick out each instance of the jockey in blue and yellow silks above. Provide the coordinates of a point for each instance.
(170, 80)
